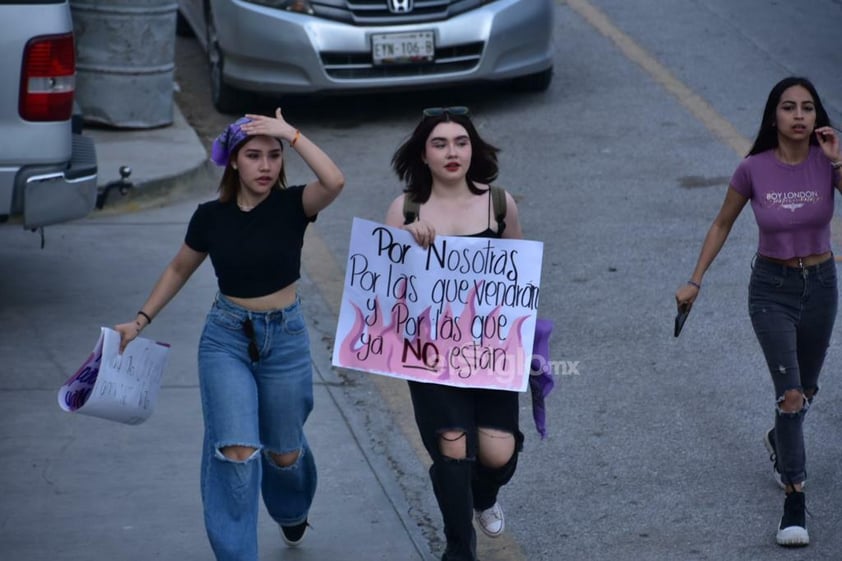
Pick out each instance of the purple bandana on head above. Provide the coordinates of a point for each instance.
(226, 142)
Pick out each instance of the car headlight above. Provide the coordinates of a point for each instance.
(298, 6)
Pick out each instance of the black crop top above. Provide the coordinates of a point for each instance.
(253, 253)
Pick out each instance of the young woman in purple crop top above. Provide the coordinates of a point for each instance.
(255, 376)
(790, 176)
(472, 435)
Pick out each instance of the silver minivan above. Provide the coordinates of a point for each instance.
(342, 46)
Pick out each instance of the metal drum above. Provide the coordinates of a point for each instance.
(125, 53)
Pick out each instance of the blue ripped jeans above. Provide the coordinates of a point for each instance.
(259, 404)
(793, 311)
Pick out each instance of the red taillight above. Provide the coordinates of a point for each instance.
(48, 78)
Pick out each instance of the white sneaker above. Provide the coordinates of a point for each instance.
(491, 520)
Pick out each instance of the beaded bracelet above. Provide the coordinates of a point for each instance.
(694, 283)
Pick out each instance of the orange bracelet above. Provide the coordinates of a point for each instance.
(295, 138)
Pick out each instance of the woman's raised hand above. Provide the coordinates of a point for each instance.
(270, 126)
(829, 142)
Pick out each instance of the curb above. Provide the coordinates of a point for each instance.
(202, 179)
(167, 163)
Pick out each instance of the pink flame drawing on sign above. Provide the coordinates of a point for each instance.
(491, 361)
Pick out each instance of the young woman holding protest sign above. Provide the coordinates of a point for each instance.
(254, 354)
(789, 175)
(472, 435)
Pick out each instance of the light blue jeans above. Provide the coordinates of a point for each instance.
(259, 404)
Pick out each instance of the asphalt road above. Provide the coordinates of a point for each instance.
(655, 448)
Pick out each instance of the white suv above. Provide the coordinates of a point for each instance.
(48, 170)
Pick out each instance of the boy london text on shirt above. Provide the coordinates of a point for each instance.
(793, 204)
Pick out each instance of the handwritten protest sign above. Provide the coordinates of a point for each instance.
(460, 313)
(116, 387)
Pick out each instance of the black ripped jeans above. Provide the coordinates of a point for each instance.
(462, 485)
(793, 310)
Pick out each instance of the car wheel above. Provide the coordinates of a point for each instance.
(182, 27)
(537, 82)
(226, 99)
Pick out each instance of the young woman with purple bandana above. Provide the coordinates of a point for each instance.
(789, 176)
(254, 354)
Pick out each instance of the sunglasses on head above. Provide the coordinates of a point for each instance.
(439, 111)
(248, 329)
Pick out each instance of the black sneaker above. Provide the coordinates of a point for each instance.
(792, 531)
(769, 441)
(294, 535)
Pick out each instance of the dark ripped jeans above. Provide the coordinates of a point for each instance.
(462, 485)
(793, 310)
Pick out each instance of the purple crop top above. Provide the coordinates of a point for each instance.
(793, 204)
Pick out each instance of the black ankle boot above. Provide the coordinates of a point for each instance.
(792, 531)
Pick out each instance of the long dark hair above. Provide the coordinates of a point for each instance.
(408, 161)
(229, 185)
(767, 136)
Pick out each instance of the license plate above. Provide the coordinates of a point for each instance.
(402, 48)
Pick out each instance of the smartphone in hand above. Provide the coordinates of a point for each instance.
(681, 317)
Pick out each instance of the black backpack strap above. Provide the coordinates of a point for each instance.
(498, 202)
(410, 209)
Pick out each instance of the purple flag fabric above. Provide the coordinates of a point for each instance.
(541, 380)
